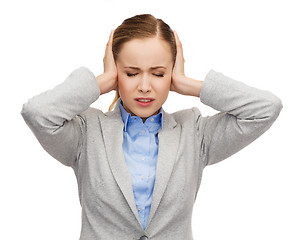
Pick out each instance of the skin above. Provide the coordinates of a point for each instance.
(144, 82)
(145, 54)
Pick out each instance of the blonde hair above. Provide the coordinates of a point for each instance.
(138, 27)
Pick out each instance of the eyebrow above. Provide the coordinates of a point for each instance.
(136, 68)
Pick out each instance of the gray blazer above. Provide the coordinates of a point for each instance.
(90, 142)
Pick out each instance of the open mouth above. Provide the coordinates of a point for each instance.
(144, 101)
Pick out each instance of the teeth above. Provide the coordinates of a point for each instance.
(144, 100)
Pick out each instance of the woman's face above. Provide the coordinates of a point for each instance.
(144, 72)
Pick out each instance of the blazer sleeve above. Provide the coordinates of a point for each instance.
(245, 114)
(55, 118)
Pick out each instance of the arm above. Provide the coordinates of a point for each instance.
(245, 114)
(54, 116)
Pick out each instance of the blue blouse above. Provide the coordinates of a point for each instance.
(140, 147)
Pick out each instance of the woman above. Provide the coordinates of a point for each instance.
(138, 167)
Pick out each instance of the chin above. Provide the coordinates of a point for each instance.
(146, 114)
(141, 115)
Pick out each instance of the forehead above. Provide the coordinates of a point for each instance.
(145, 52)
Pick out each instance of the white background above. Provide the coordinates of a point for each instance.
(251, 195)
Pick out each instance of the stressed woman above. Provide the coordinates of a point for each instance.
(138, 167)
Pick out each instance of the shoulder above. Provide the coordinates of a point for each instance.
(96, 116)
(186, 116)
(91, 116)
(91, 112)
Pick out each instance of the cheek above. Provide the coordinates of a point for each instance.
(164, 84)
(125, 85)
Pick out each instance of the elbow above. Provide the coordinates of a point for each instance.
(268, 111)
(27, 110)
(30, 113)
(27, 114)
(275, 107)
(272, 111)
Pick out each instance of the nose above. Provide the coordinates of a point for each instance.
(144, 84)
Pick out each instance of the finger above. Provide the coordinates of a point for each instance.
(109, 43)
(179, 46)
(178, 42)
(111, 37)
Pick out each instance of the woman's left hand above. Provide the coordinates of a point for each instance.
(178, 73)
(179, 82)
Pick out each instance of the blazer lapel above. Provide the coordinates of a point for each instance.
(112, 128)
(169, 136)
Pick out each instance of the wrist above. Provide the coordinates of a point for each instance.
(195, 87)
(189, 86)
(103, 81)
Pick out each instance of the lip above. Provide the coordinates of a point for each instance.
(144, 104)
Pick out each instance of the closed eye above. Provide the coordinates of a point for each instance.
(134, 74)
(131, 74)
(159, 75)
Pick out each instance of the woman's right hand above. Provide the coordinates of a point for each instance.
(108, 81)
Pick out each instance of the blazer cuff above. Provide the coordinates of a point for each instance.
(213, 84)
